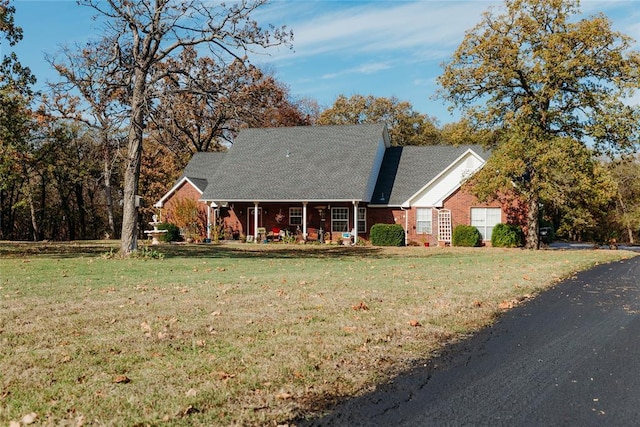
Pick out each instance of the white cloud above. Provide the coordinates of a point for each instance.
(369, 27)
(369, 68)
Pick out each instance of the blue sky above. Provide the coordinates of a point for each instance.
(382, 48)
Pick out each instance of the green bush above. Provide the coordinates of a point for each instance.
(466, 235)
(506, 236)
(172, 234)
(387, 235)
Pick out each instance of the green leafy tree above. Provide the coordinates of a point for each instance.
(406, 126)
(15, 123)
(543, 82)
(626, 219)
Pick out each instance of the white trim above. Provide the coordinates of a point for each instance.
(409, 202)
(311, 201)
(419, 209)
(160, 203)
(304, 220)
(332, 210)
(355, 220)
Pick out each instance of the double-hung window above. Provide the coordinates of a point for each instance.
(362, 220)
(424, 219)
(339, 220)
(295, 216)
(484, 219)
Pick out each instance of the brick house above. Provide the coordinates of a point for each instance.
(330, 182)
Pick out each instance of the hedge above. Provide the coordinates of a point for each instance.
(466, 235)
(172, 234)
(507, 236)
(387, 235)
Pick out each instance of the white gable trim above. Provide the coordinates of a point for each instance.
(160, 203)
(446, 182)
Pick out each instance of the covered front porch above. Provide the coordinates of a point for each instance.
(262, 221)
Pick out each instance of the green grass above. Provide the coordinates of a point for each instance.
(239, 334)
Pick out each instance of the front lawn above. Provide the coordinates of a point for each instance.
(239, 334)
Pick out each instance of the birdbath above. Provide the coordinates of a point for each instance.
(155, 233)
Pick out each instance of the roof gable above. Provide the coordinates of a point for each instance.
(200, 168)
(407, 172)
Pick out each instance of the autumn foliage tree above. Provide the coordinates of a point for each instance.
(84, 95)
(142, 36)
(406, 126)
(204, 106)
(544, 81)
(16, 150)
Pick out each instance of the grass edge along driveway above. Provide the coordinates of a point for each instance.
(239, 334)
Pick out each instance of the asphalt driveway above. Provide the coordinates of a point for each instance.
(570, 357)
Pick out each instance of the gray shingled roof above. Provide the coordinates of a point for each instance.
(300, 163)
(406, 170)
(201, 168)
(203, 165)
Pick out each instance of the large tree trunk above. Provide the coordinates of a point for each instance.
(129, 236)
(533, 226)
(108, 195)
(622, 213)
(34, 220)
(82, 217)
(109, 200)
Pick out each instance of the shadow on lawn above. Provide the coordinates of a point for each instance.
(97, 248)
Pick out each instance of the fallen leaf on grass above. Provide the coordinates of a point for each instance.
(121, 379)
(414, 323)
(223, 375)
(283, 396)
(505, 305)
(361, 306)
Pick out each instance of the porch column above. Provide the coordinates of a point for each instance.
(255, 222)
(209, 220)
(355, 222)
(304, 220)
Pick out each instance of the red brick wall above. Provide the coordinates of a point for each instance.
(185, 191)
(235, 216)
(460, 204)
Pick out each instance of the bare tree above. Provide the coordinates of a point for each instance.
(98, 106)
(142, 35)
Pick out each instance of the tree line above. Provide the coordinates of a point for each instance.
(87, 158)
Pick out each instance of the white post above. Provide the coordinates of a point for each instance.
(355, 222)
(255, 222)
(304, 220)
(209, 220)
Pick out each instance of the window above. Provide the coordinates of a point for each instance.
(424, 218)
(362, 220)
(339, 220)
(484, 219)
(295, 216)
